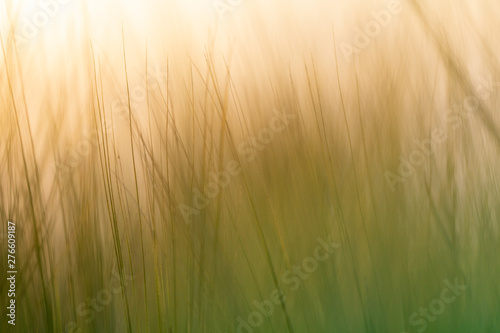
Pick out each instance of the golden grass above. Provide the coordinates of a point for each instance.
(109, 135)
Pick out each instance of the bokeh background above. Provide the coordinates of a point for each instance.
(174, 166)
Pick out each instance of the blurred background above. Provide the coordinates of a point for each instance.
(251, 166)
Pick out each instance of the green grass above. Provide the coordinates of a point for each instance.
(113, 212)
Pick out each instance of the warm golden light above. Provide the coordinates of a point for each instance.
(249, 166)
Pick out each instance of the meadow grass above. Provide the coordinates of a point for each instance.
(103, 241)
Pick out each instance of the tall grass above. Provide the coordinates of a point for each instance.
(168, 111)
